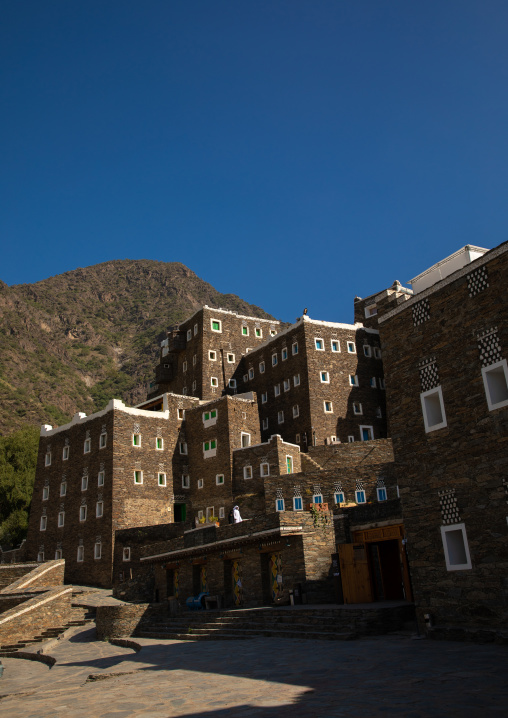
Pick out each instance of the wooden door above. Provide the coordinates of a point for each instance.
(354, 568)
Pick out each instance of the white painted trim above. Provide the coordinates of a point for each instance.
(424, 394)
(456, 567)
(38, 575)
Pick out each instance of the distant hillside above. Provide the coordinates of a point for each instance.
(72, 342)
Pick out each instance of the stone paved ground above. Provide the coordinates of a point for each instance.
(261, 678)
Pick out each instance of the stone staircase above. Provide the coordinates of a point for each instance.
(80, 616)
(310, 623)
(309, 464)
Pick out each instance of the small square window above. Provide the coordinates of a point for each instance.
(99, 509)
(360, 497)
(189, 334)
(231, 358)
(87, 446)
(339, 497)
(47, 459)
(350, 439)
(357, 408)
(222, 512)
(258, 332)
(296, 380)
(81, 554)
(280, 417)
(296, 411)
(261, 367)
(44, 523)
(185, 481)
(264, 469)
(84, 483)
(216, 325)
(245, 331)
(264, 397)
(353, 380)
(495, 382)
(181, 414)
(279, 504)
(294, 348)
(297, 503)
(126, 554)
(159, 443)
(284, 354)
(273, 332)
(40, 557)
(247, 472)
(367, 433)
(201, 483)
(138, 477)
(276, 389)
(161, 479)
(434, 416)
(367, 350)
(320, 345)
(232, 383)
(212, 355)
(65, 453)
(82, 513)
(274, 360)
(328, 407)
(287, 384)
(136, 439)
(97, 550)
(335, 345)
(371, 310)
(381, 494)
(325, 377)
(100, 478)
(219, 479)
(245, 439)
(456, 548)
(63, 488)
(351, 347)
(61, 519)
(251, 373)
(214, 381)
(45, 493)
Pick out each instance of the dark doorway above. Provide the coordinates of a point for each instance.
(170, 582)
(180, 512)
(386, 570)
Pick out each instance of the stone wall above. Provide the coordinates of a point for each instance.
(119, 620)
(50, 609)
(12, 572)
(50, 573)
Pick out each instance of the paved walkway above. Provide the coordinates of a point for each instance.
(260, 678)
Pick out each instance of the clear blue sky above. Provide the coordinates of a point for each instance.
(293, 152)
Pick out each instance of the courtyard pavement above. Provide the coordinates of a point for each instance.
(261, 678)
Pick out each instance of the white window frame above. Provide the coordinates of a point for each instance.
(47, 459)
(196, 329)
(87, 446)
(264, 469)
(296, 411)
(327, 404)
(351, 347)
(201, 483)
(58, 554)
(218, 321)
(264, 397)
(100, 478)
(214, 381)
(339, 498)
(84, 483)
(382, 494)
(359, 493)
(185, 481)
(200, 514)
(212, 450)
(247, 472)
(289, 460)
(284, 353)
(194, 359)
(455, 566)
(275, 360)
(45, 493)
(164, 479)
(184, 366)
(280, 417)
(209, 513)
(276, 390)
(97, 551)
(337, 342)
(126, 553)
(296, 380)
(63, 488)
(244, 439)
(286, 385)
(245, 378)
(350, 439)
(258, 332)
(295, 500)
(231, 358)
(81, 554)
(353, 380)
(211, 419)
(161, 447)
(138, 446)
(499, 368)
(99, 509)
(212, 355)
(317, 498)
(326, 376)
(319, 348)
(182, 445)
(371, 310)
(219, 479)
(40, 557)
(357, 408)
(367, 350)
(245, 330)
(180, 413)
(65, 453)
(251, 373)
(184, 390)
(279, 505)
(138, 483)
(222, 512)
(232, 383)
(61, 519)
(189, 334)
(424, 399)
(82, 513)
(103, 440)
(294, 348)
(262, 367)
(265, 423)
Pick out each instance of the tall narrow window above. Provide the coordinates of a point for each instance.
(434, 416)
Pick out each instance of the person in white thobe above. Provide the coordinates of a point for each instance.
(236, 515)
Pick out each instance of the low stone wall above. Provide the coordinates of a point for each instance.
(14, 555)
(120, 620)
(50, 609)
(13, 571)
(39, 575)
(9, 601)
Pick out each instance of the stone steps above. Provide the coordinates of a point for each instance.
(242, 634)
(79, 617)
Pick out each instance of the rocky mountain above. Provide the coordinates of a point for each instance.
(72, 342)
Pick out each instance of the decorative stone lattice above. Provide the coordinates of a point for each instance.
(185, 468)
(421, 312)
(429, 374)
(64, 476)
(98, 539)
(101, 466)
(87, 435)
(67, 441)
(44, 511)
(337, 487)
(489, 347)
(80, 542)
(83, 501)
(161, 466)
(62, 507)
(99, 497)
(137, 428)
(137, 465)
(85, 471)
(449, 508)
(381, 484)
(103, 430)
(41, 548)
(178, 498)
(280, 493)
(159, 432)
(297, 491)
(46, 482)
(477, 281)
(59, 545)
(317, 489)
(359, 485)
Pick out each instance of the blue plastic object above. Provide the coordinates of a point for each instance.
(197, 603)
